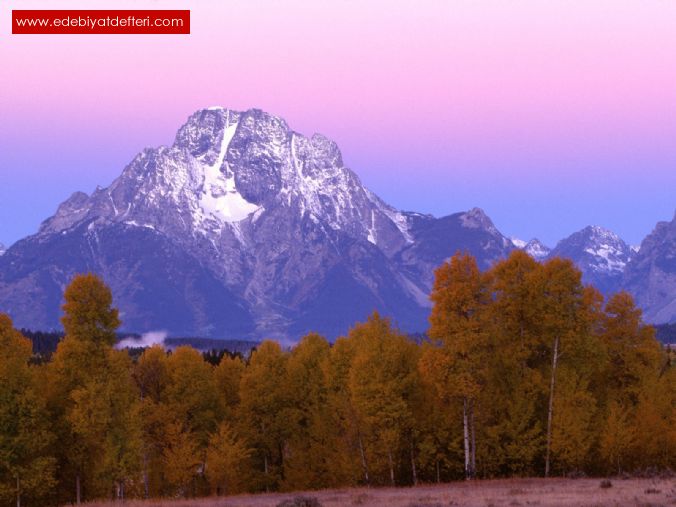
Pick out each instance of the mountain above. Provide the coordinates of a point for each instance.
(534, 248)
(600, 254)
(651, 275)
(241, 229)
(2, 249)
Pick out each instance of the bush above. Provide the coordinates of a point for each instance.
(605, 483)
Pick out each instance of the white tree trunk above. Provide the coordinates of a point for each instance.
(414, 471)
(78, 497)
(364, 463)
(550, 412)
(391, 462)
(472, 428)
(465, 430)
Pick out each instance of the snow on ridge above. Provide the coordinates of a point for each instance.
(518, 243)
(397, 217)
(610, 256)
(220, 200)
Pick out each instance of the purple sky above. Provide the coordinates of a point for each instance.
(549, 115)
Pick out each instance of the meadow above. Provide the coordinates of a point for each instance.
(480, 493)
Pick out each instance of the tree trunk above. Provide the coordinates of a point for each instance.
(389, 457)
(78, 498)
(146, 487)
(555, 358)
(472, 427)
(364, 464)
(265, 465)
(18, 492)
(414, 472)
(438, 473)
(465, 432)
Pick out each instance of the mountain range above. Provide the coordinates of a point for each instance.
(245, 229)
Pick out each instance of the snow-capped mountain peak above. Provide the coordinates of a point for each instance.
(518, 243)
(535, 248)
(600, 253)
(3, 249)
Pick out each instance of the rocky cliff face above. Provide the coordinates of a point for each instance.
(242, 228)
(651, 275)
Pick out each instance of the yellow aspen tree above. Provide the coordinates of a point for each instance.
(26, 464)
(152, 379)
(90, 323)
(182, 459)
(264, 413)
(513, 438)
(618, 438)
(311, 440)
(228, 461)
(350, 463)
(456, 323)
(383, 379)
(227, 377)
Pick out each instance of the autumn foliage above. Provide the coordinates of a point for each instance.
(525, 372)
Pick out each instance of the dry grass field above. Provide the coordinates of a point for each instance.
(507, 492)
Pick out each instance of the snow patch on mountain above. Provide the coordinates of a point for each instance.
(220, 199)
(536, 249)
(3, 249)
(518, 243)
(610, 252)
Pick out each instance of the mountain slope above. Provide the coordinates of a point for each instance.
(600, 254)
(651, 275)
(242, 228)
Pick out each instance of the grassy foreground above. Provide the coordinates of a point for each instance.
(503, 492)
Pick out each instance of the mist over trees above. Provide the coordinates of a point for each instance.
(526, 372)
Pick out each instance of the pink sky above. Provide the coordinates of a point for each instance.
(551, 115)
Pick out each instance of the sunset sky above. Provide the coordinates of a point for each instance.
(550, 115)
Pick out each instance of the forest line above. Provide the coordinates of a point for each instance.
(527, 372)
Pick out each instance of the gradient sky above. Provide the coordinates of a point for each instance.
(550, 115)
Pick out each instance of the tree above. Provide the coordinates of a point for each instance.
(88, 313)
(350, 463)
(514, 367)
(227, 377)
(618, 437)
(182, 459)
(312, 445)
(460, 297)
(105, 418)
(634, 353)
(80, 363)
(563, 325)
(152, 379)
(26, 463)
(383, 382)
(227, 461)
(264, 412)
